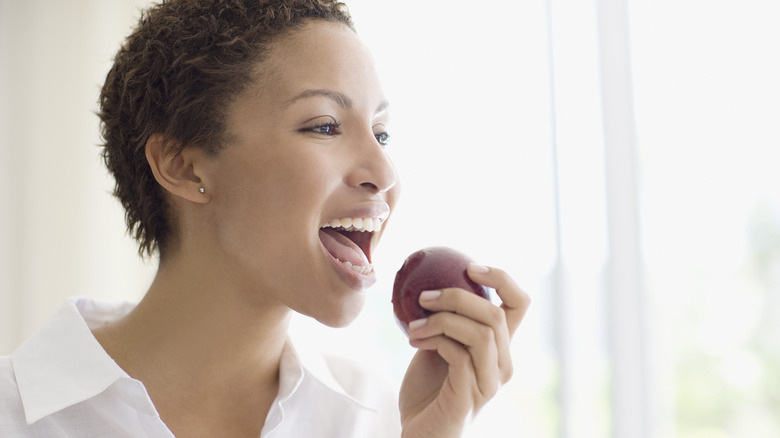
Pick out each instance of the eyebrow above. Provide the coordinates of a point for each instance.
(335, 96)
(340, 98)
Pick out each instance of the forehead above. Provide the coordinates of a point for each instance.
(320, 54)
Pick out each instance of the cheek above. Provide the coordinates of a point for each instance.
(266, 187)
(270, 208)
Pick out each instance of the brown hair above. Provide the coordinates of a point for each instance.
(176, 74)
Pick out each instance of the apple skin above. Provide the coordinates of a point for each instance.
(432, 268)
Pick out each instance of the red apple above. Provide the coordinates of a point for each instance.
(429, 269)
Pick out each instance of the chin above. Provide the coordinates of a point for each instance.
(341, 314)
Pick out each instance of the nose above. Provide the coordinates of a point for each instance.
(373, 169)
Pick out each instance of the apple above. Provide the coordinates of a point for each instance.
(432, 268)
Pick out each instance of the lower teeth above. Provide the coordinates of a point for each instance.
(365, 269)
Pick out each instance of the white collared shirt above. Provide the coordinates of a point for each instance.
(61, 383)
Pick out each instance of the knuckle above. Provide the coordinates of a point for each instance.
(498, 315)
(507, 373)
(489, 391)
(503, 276)
(461, 354)
(486, 333)
(525, 298)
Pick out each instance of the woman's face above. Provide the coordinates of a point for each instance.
(305, 157)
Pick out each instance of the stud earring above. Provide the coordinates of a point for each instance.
(202, 190)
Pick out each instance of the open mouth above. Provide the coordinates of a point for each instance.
(348, 240)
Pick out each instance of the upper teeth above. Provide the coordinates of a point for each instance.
(356, 223)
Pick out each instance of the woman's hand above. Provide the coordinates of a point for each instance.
(463, 355)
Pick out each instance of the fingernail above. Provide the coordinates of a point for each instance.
(478, 269)
(430, 295)
(417, 323)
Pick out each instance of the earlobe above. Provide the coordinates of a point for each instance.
(177, 171)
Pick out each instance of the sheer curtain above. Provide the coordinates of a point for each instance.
(617, 157)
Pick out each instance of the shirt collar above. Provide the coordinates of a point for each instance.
(62, 363)
(295, 365)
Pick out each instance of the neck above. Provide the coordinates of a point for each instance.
(194, 325)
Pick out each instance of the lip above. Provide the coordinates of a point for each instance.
(354, 279)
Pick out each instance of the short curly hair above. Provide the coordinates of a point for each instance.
(175, 75)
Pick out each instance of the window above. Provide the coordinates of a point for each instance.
(617, 157)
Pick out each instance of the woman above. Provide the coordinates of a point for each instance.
(247, 142)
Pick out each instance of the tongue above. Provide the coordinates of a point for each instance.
(342, 248)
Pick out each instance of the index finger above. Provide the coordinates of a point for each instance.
(514, 300)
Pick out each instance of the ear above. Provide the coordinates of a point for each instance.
(178, 172)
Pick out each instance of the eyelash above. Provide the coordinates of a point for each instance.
(334, 128)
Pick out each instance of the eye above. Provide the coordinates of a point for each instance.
(383, 138)
(380, 133)
(331, 128)
(328, 127)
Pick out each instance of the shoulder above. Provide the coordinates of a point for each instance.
(6, 373)
(9, 390)
(344, 397)
(51, 373)
(12, 420)
(349, 377)
(371, 388)
(361, 381)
